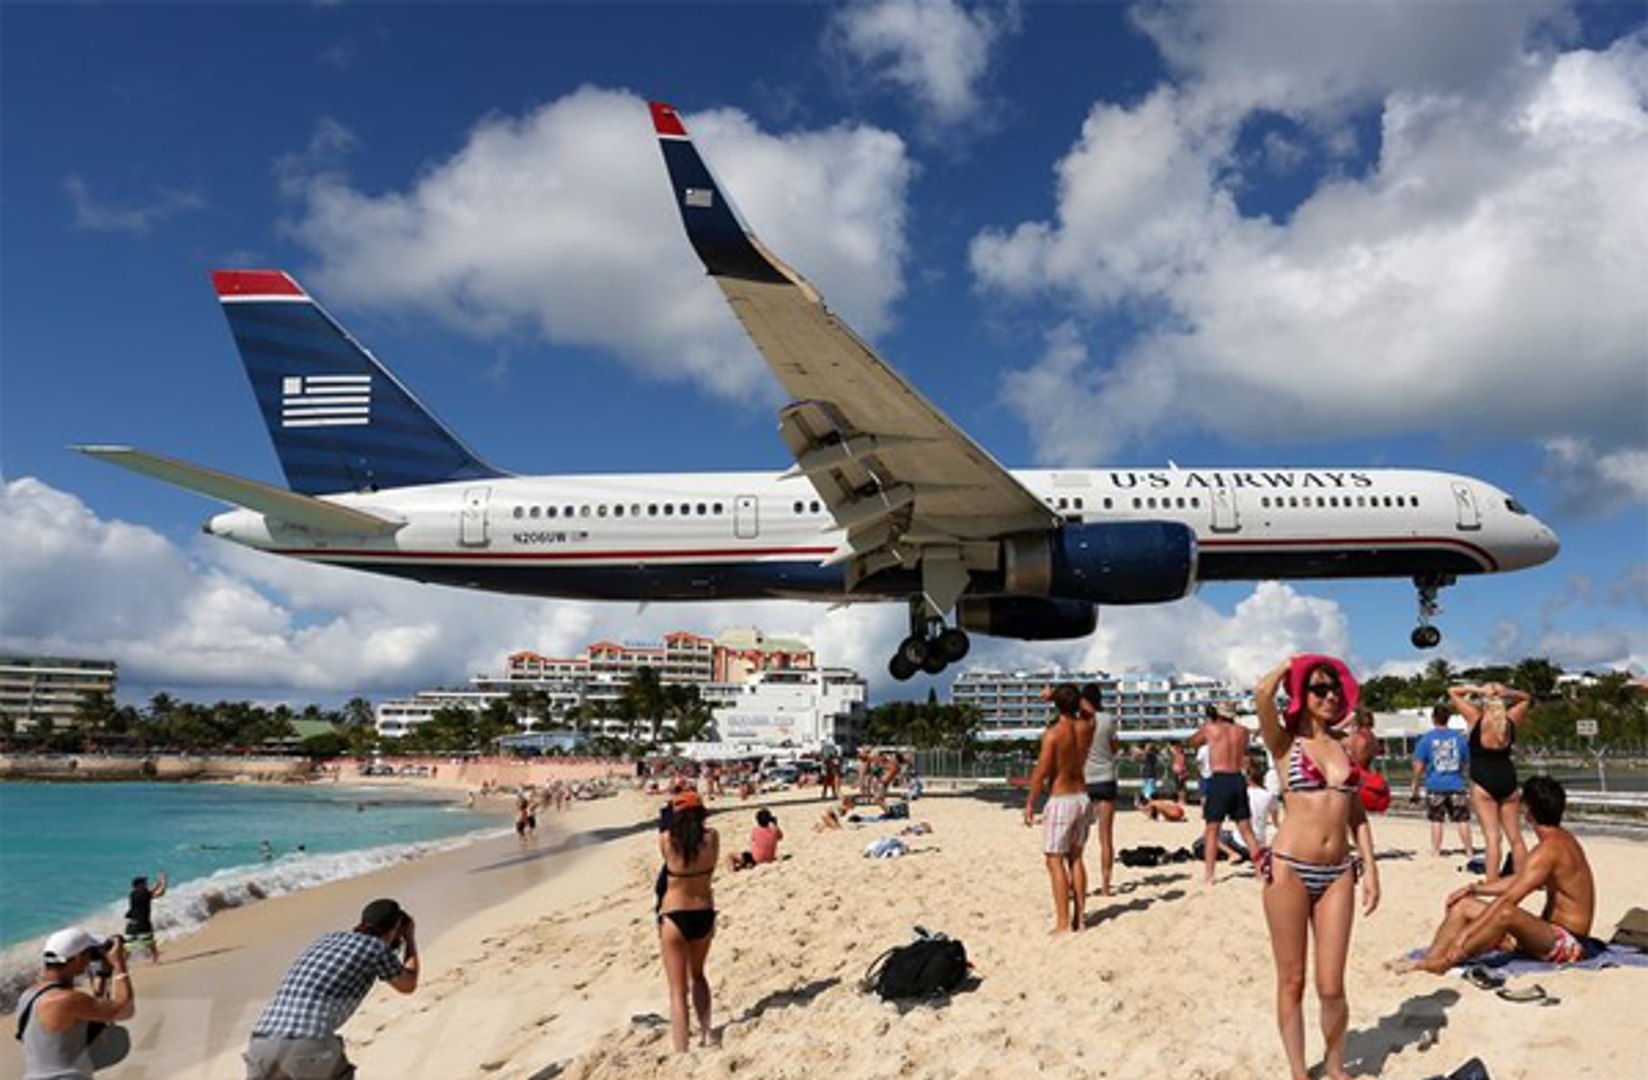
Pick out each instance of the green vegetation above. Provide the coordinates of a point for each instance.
(924, 725)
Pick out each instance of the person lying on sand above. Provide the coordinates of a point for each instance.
(1162, 809)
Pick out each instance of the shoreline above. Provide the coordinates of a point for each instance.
(195, 1009)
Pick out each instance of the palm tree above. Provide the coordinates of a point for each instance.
(647, 698)
(358, 712)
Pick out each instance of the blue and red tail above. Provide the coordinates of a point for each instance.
(339, 420)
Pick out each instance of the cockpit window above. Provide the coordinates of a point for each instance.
(1515, 507)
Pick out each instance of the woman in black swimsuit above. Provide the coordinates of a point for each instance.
(1492, 713)
(686, 918)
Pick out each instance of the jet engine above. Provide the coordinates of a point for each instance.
(1027, 618)
(1116, 562)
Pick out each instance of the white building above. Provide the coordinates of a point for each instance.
(797, 709)
(1146, 706)
(36, 689)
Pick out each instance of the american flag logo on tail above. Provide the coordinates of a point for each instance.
(325, 401)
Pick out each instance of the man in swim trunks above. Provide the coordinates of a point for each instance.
(140, 919)
(1558, 865)
(1225, 796)
(1064, 747)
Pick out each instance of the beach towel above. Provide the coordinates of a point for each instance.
(888, 847)
(1599, 955)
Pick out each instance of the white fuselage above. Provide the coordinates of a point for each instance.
(751, 535)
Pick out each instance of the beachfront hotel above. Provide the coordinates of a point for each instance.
(1145, 706)
(50, 690)
(763, 691)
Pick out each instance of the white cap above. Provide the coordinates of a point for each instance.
(65, 945)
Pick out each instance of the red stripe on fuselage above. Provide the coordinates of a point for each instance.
(553, 556)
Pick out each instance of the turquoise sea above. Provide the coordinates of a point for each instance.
(68, 852)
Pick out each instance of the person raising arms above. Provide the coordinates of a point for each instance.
(1491, 714)
(1310, 873)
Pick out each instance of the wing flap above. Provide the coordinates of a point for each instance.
(316, 515)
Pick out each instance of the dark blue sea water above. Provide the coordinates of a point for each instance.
(68, 852)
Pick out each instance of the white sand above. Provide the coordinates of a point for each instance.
(560, 977)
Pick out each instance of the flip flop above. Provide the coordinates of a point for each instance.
(1483, 978)
(1534, 993)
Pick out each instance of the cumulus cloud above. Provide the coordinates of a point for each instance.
(1486, 265)
(558, 224)
(1589, 482)
(102, 215)
(935, 52)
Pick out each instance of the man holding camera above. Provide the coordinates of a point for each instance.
(66, 1033)
(296, 1037)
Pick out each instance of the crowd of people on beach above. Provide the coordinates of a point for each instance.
(1302, 812)
(1298, 808)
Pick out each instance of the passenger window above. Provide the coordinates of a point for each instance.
(567, 512)
(702, 509)
(634, 509)
(1064, 504)
(652, 509)
(798, 506)
(1181, 502)
(549, 511)
(519, 511)
(532, 513)
(601, 511)
(1078, 504)
(618, 510)
(686, 508)
(718, 509)
(1150, 503)
(1136, 502)
(669, 509)
(1108, 503)
(583, 511)
(813, 506)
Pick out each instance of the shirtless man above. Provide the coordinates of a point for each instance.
(1558, 865)
(1064, 747)
(1226, 795)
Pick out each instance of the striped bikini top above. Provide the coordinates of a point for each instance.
(1303, 774)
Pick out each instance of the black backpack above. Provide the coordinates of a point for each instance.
(927, 967)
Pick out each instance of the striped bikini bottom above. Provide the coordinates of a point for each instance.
(1317, 877)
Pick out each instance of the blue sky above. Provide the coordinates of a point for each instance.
(1409, 235)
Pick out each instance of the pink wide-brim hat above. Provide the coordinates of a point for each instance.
(1297, 673)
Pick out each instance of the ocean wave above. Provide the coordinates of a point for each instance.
(187, 905)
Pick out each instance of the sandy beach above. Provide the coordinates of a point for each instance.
(541, 961)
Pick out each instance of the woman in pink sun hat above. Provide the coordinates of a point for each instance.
(1323, 848)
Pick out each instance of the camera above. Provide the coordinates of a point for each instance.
(99, 967)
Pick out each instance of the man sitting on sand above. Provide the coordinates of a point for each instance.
(1064, 747)
(1558, 865)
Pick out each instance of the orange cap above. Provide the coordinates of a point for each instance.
(687, 800)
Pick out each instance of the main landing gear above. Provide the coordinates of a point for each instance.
(1426, 636)
(931, 646)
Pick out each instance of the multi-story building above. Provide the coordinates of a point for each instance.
(1146, 706)
(803, 709)
(719, 667)
(51, 688)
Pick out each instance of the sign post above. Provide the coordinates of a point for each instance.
(1588, 728)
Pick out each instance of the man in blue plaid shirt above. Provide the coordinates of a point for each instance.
(296, 1037)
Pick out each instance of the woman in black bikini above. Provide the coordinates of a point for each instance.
(1310, 873)
(1492, 712)
(686, 919)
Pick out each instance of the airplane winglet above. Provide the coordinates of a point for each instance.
(723, 244)
(306, 511)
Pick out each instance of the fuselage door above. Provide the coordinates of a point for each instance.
(1225, 516)
(472, 521)
(746, 524)
(1464, 504)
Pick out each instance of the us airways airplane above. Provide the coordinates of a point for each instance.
(887, 500)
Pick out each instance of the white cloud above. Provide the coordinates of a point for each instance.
(1482, 278)
(936, 51)
(101, 215)
(1590, 482)
(559, 224)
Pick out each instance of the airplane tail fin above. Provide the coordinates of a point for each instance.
(339, 420)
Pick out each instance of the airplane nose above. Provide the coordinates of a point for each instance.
(1545, 545)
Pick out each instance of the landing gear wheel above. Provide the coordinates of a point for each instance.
(935, 662)
(913, 651)
(952, 644)
(899, 669)
(1426, 637)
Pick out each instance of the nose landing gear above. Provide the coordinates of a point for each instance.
(931, 646)
(1426, 636)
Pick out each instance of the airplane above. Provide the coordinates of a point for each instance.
(887, 500)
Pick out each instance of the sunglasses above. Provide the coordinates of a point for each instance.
(1323, 689)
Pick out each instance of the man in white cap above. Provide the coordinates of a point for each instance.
(296, 1037)
(65, 1032)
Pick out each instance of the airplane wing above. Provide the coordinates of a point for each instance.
(316, 515)
(908, 485)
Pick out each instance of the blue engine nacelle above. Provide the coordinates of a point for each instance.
(1027, 618)
(1115, 562)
